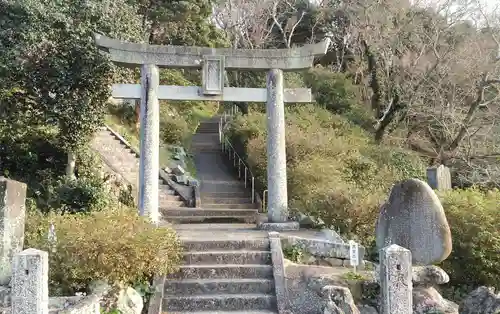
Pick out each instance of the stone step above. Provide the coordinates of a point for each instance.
(169, 197)
(247, 219)
(226, 200)
(226, 194)
(227, 257)
(228, 302)
(197, 212)
(218, 286)
(229, 206)
(170, 203)
(226, 245)
(223, 271)
(227, 312)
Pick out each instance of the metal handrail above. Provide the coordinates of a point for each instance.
(227, 146)
(264, 205)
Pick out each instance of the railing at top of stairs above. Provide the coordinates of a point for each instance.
(244, 171)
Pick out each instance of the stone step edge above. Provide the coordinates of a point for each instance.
(226, 252)
(220, 280)
(221, 296)
(226, 266)
(206, 217)
(215, 209)
(226, 312)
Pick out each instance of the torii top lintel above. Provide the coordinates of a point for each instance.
(169, 56)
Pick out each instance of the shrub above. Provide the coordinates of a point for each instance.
(115, 245)
(174, 130)
(335, 172)
(474, 221)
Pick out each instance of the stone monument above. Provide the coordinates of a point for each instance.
(213, 62)
(413, 220)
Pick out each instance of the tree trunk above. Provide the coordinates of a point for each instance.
(71, 164)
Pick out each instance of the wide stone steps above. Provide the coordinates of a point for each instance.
(228, 257)
(226, 200)
(226, 245)
(124, 161)
(227, 312)
(221, 276)
(224, 271)
(210, 212)
(193, 287)
(231, 302)
(231, 206)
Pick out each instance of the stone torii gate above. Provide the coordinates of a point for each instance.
(213, 62)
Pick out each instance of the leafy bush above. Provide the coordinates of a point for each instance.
(115, 245)
(174, 130)
(335, 172)
(474, 220)
(335, 92)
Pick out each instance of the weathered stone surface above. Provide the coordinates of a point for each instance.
(278, 272)
(278, 226)
(483, 300)
(191, 57)
(439, 178)
(150, 143)
(414, 218)
(429, 275)
(426, 300)
(30, 288)
(13, 212)
(277, 204)
(339, 298)
(331, 235)
(129, 301)
(178, 171)
(395, 280)
(322, 248)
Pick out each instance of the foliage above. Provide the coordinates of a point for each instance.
(115, 245)
(335, 171)
(474, 220)
(350, 275)
(52, 70)
(294, 253)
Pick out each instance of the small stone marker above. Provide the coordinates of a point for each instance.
(414, 218)
(13, 213)
(439, 178)
(396, 280)
(354, 254)
(30, 288)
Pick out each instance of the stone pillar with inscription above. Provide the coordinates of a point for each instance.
(150, 142)
(439, 178)
(13, 213)
(396, 280)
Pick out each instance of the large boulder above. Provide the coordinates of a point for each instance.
(129, 301)
(483, 300)
(414, 218)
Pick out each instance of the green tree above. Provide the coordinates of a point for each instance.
(52, 72)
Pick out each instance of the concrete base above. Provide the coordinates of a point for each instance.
(278, 226)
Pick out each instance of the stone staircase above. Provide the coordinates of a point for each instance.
(224, 198)
(222, 276)
(117, 155)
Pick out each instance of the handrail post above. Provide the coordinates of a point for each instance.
(234, 158)
(253, 189)
(264, 207)
(245, 177)
(239, 168)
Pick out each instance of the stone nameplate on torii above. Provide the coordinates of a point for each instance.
(213, 62)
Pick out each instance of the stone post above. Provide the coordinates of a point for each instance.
(439, 178)
(12, 211)
(396, 280)
(276, 149)
(150, 142)
(30, 282)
